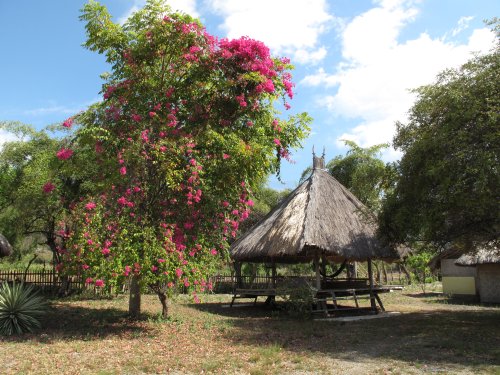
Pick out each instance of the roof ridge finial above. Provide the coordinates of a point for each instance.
(319, 162)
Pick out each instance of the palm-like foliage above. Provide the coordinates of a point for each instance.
(20, 309)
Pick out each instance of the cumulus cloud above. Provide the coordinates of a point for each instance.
(290, 27)
(5, 137)
(377, 71)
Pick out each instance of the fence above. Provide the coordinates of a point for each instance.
(49, 280)
(43, 279)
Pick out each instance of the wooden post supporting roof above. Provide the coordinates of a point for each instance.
(323, 266)
(316, 266)
(237, 269)
(372, 294)
(273, 269)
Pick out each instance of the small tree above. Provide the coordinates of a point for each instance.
(186, 128)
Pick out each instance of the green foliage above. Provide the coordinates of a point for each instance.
(448, 182)
(36, 189)
(20, 309)
(298, 296)
(418, 264)
(265, 199)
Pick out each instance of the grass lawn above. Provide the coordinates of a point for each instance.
(431, 335)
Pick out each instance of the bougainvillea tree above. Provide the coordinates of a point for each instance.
(187, 126)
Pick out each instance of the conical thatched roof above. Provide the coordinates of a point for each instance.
(5, 248)
(319, 215)
(487, 253)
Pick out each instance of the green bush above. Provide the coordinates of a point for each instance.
(20, 309)
(298, 296)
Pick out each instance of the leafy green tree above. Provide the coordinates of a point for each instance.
(36, 189)
(187, 128)
(448, 182)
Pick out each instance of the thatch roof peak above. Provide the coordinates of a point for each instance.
(319, 216)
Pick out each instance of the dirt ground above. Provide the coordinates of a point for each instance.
(428, 334)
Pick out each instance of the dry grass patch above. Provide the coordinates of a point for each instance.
(95, 337)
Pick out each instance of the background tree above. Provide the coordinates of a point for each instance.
(186, 129)
(26, 208)
(448, 182)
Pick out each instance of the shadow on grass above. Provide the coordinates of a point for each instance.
(75, 322)
(434, 338)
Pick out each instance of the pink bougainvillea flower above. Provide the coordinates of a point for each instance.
(48, 187)
(277, 141)
(122, 201)
(64, 153)
(225, 156)
(68, 122)
(123, 171)
(213, 252)
(161, 260)
(90, 206)
(128, 269)
(105, 251)
(249, 203)
(178, 272)
(89, 280)
(85, 267)
(99, 283)
(189, 225)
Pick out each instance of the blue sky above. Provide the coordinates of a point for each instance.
(355, 60)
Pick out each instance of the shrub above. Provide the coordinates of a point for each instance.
(20, 309)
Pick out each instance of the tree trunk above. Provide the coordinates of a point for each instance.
(134, 302)
(164, 304)
(405, 270)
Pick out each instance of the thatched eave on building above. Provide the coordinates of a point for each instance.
(488, 253)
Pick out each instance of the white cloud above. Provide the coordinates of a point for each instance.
(463, 24)
(41, 111)
(303, 56)
(377, 72)
(286, 26)
(54, 108)
(5, 137)
(184, 6)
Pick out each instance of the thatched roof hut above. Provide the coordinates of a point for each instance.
(319, 217)
(5, 247)
(488, 253)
